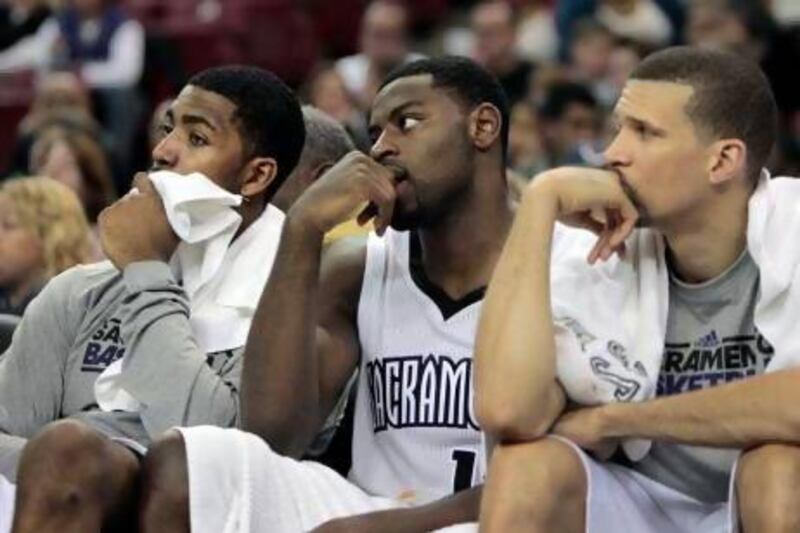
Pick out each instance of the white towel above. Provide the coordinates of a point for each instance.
(222, 279)
(611, 318)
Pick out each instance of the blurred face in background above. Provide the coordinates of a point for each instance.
(495, 35)
(59, 162)
(20, 248)
(524, 140)
(591, 53)
(577, 124)
(383, 34)
(712, 24)
(61, 90)
(329, 94)
(89, 8)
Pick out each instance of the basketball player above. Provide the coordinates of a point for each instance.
(695, 129)
(243, 129)
(402, 307)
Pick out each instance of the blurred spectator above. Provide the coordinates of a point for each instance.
(654, 23)
(77, 160)
(570, 124)
(43, 232)
(494, 26)
(384, 45)
(525, 151)
(327, 92)
(20, 19)
(537, 38)
(590, 55)
(97, 40)
(746, 27)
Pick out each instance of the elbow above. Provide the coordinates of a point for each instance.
(283, 436)
(508, 421)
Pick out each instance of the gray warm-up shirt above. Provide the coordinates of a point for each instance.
(711, 340)
(84, 320)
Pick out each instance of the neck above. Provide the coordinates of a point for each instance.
(703, 246)
(459, 251)
(250, 212)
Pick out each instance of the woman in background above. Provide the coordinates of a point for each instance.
(43, 231)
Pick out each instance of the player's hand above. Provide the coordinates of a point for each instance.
(135, 227)
(585, 427)
(592, 199)
(356, 187)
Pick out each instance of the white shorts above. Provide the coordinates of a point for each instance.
(8, 493)
(621, 499)
(237, 484)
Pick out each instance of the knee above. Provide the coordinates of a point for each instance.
(68, 449)
(768, 487)
(165, 480)
(68, 463)
(546, 467)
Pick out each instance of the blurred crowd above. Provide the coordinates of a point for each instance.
(84, 82)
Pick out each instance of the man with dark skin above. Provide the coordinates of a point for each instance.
(243, 129)
(435, 186)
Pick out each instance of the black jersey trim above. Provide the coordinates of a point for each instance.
(447, 306)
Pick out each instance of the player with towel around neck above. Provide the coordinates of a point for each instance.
(401, 307)
(243, 129)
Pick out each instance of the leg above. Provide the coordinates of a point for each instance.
(71, 478)
(768, 489)
(539, 486)
(164, 505)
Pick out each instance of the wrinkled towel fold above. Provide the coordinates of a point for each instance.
(611, 318)
(222, 279)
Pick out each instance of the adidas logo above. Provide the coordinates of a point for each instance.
(707, 341)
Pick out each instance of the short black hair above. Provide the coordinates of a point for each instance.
(326, 139)
(470, 82)
(561, 95)
(271, 123)
(732, 97)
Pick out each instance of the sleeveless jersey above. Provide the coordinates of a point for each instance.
(415, 434)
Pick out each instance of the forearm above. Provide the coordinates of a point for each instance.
(518, 397)
(736, 415)
(164, 368)
(462, 507)
(280, 386)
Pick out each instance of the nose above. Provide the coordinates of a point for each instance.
(616, 153)
(166, 153)
(383, 147)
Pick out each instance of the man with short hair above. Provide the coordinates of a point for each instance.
(242, 128)
(494, 25)
(570, 123)
(401, 307)
(383, 44)
(679, 335)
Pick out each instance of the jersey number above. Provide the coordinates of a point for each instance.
(465, 465)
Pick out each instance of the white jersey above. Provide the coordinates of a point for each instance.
(415, 434)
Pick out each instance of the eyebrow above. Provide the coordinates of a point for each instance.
(637, 121)
(199, 119)
(397, 110)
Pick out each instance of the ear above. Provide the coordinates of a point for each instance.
(485, 123)
(728, 160)
(319, 170)
(259, 173)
